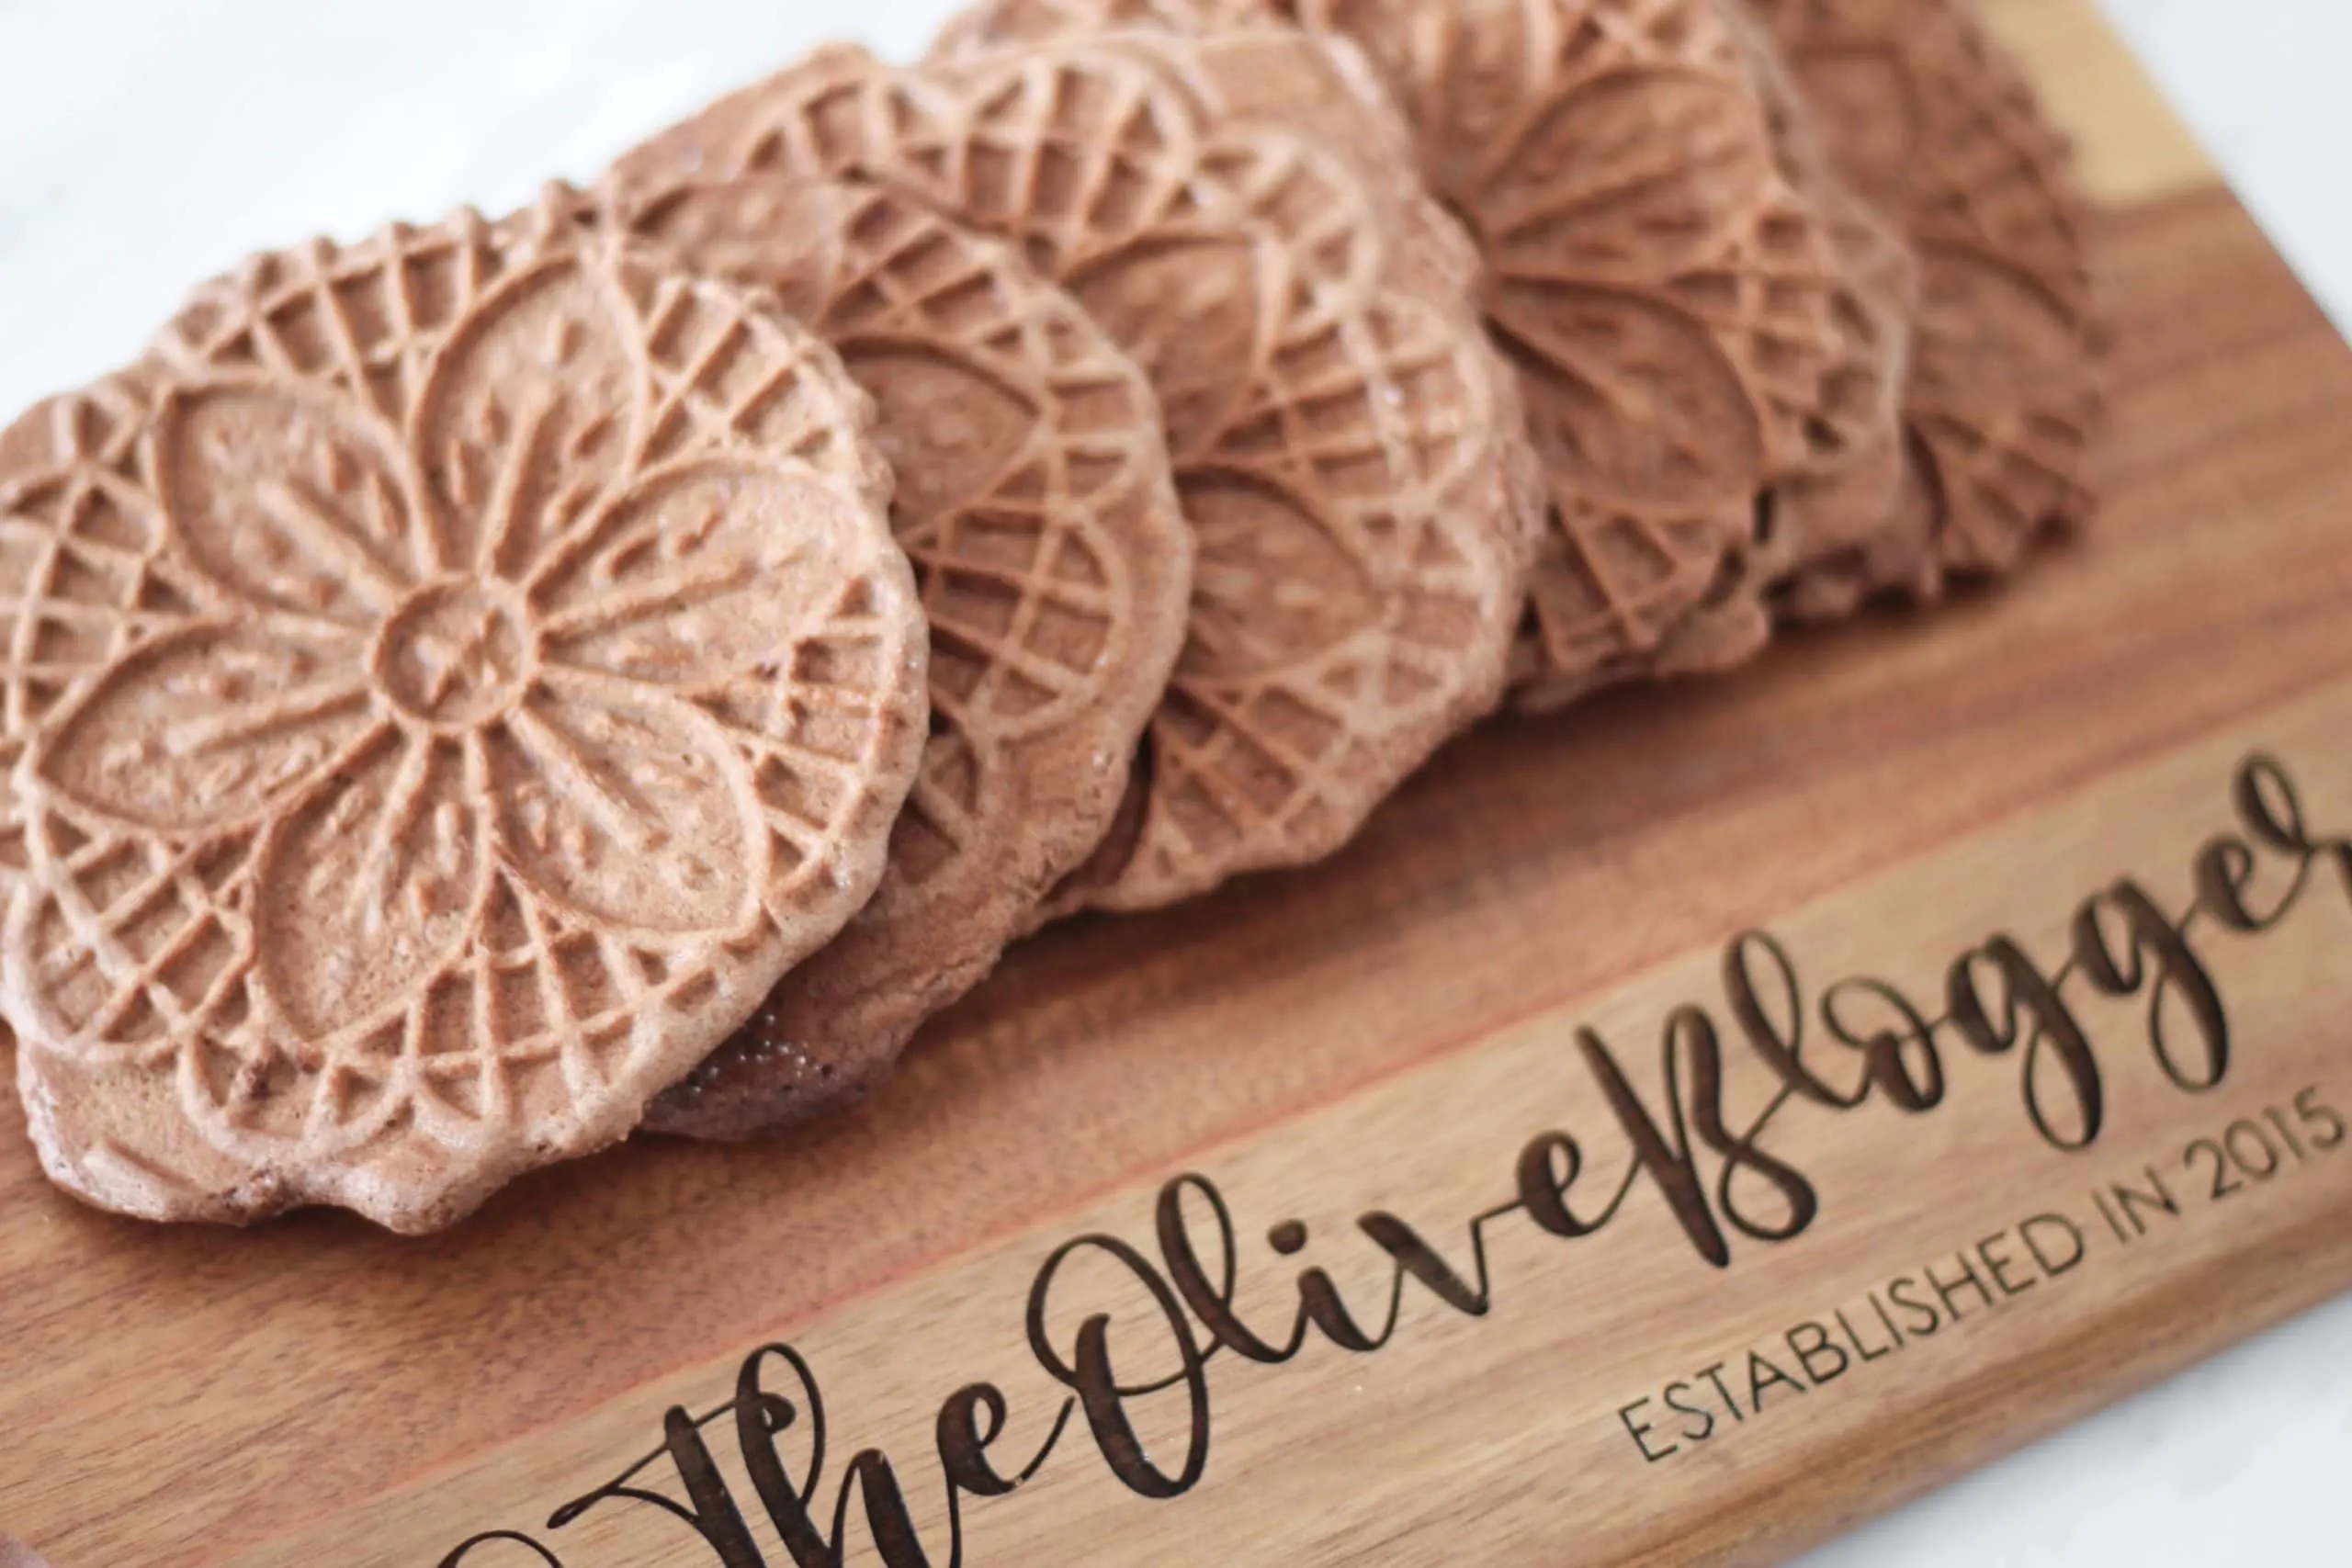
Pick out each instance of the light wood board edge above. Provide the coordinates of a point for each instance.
(2132, 145)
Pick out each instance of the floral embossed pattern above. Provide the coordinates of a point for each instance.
(1934, 127)
(1667, 297)
(1056, 568)
(451, 678)
(1342, 435)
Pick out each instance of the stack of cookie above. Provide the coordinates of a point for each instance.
(484, 690)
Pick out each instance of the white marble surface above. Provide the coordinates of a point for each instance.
(146, 142)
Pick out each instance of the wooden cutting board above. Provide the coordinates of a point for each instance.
(1489, 1195)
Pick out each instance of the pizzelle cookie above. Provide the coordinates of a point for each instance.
(1849, 533)
(1669, 300)
(990, 25)
(1056, 570)
(1937, 129)
(1344, 440)
(1837, 531)
(1833, 530)
(452, 677)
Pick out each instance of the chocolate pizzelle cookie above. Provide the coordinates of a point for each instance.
(1832, 530)
(1056, 570)
(988, 24)
(1344, 441)
(453, 677)
(1838, 530)
(1937, 129)
(1668, 297)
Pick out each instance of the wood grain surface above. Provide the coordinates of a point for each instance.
(199, 1396)
(1605, 1356)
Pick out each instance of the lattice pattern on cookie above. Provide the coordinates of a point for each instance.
(1937, 129)
(974, 363)
(1830, 532)
(1036, 501)
(1349, 605)
(992, 24)
(1665, 293)
(1004, 486)
(1668, 299)
(508, 673)
(78, 538)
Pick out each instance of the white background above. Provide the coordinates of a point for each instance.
(145, 144)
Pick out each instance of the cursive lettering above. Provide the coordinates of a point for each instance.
(1859, 1041)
